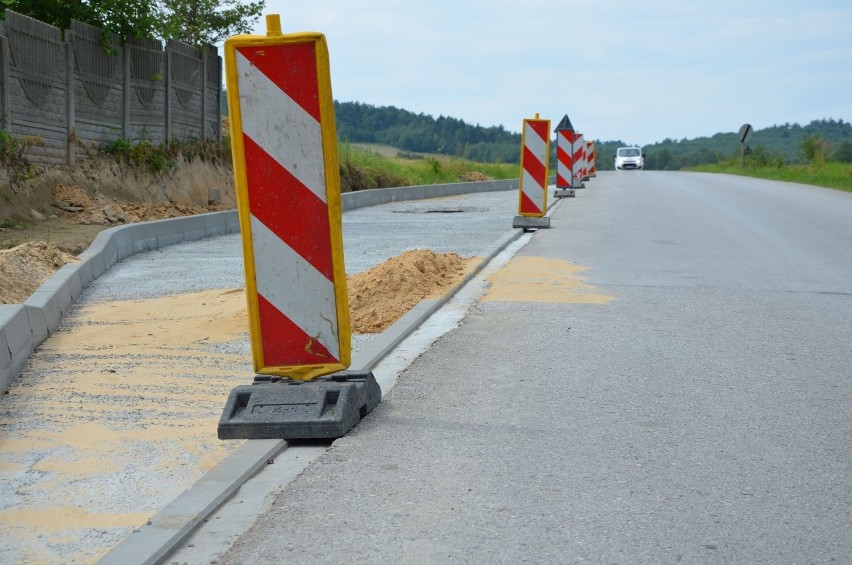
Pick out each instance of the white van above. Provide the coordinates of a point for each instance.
(629, 158)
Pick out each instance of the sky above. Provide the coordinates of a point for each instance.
(635, 71)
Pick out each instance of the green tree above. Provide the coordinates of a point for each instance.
(200, 22)
(127, 19)
(197, 22)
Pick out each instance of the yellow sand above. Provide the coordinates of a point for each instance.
(540, 279)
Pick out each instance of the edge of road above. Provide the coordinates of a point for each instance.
(167, 530)
(23, 327)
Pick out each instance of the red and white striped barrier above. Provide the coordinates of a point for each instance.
(288, 187)
(532, 197)
(564, 159)
(590, 158)
(580, 156)
(535, 158)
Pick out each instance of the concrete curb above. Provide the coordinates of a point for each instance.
(23, 327)
(364, 198)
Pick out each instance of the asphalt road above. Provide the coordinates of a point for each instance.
(662, 376)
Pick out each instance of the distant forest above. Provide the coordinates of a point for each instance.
(774, 145)
(421, 133)
(362, 123)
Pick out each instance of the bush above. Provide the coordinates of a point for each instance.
(816, 149)
(843, 153)
(9, 148)
(162, 158)
(762, 157)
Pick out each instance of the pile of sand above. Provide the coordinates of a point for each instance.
(75, 203)
(380, 296)
(25, 267)
(377, 298)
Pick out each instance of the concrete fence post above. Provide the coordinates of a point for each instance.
(204, 97)
(5, 106)
(70, 138)
(167, 77)
(125, 92)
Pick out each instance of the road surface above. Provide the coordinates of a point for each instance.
(663, 376)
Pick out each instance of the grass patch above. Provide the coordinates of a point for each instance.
(160, 158)
(831, 174)
(362, 169)
(10, 224)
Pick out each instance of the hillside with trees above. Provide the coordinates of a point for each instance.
(782, 144)
(421, 133)
(778, 145)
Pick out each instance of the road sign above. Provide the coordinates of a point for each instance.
(288, 190)
(745, 133)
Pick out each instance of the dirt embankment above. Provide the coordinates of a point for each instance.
(68, 205)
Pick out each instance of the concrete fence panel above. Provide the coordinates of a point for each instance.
(38, 88)
(97, 68)
(62, 96)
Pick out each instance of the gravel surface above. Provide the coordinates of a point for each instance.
(461, 224)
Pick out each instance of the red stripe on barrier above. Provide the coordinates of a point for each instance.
(561, 181)
(288, 208)
(291, 346)
(298, 78)
(528, 206)
(540, 127)
(534, 167)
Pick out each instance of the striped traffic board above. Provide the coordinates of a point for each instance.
(579, 156)
(564, 154)
(288, 190)
(590, 158)
(535, 159)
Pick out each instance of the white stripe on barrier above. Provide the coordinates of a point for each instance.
(532, 188)
(289, 282)
(534, 143)
(563, 164)
(299, 150)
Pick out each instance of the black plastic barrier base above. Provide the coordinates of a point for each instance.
(324, 408)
